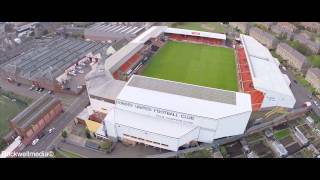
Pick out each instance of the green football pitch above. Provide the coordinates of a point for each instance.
(194, 64)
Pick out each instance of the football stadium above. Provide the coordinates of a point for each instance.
(172, 87)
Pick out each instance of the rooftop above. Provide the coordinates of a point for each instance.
(180, 97)
(315, 71)
(53, 57)
(35, 111)
(294, 52)
(265, 73)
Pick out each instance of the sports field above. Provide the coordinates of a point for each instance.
(8, 110)
(194, 64)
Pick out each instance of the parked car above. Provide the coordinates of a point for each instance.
(34, 142)
(51, 130)
(80, 71)
(32, 87)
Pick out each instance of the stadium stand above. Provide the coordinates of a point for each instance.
(246, 80)
(195, 39)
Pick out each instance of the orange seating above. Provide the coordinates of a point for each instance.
(246, 80)
(127, 65)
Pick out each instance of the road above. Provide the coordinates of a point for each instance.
(301, 93)
(60, 123)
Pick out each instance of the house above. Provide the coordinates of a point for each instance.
(295, 59)
(313, 77)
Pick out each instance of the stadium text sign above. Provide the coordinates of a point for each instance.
(195, 33)
(157, 112)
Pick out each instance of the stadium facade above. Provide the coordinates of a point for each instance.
(168, 114)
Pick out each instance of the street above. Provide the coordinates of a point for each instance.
(301, 94)
(60, 123)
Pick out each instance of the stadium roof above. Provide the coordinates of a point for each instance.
(183, 98)
(265, 73)
(196, 33)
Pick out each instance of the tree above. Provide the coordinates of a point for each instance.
(88, 134)
(64, 135)
(106, 146)
(3, 145)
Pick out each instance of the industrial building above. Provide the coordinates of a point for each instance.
(49, 66)
(114, 31)
(140, 109)
(36, 117)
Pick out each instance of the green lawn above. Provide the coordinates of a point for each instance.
(66, 154)
(8, 110)
(315, 60)
(282, 134)
(201, 26)
(204, 153)
(194, 64)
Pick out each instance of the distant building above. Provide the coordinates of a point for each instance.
(313, 77)
(311, 26)
(294, 58)
(313, 46)
(279, 149)
(264, 38)
(288, 26)
(266, 25)
(30, 122)
(242, 26)
(106, 31)
(281, 32)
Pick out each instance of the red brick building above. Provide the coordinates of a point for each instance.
(36, 117)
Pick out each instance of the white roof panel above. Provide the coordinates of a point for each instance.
(184, 104)
(265, 72)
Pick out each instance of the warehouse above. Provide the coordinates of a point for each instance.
(36, 117)
(49, 66)
(108, 31)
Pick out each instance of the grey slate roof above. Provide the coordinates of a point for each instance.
(183, 89)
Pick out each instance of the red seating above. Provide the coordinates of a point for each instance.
(127, 65)
(116, 75)
(196, 39)
(246, 80)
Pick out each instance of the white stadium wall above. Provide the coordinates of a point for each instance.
(206, 135)
(109, 125)
(193, 135)
(273, 99)
(233, 125)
